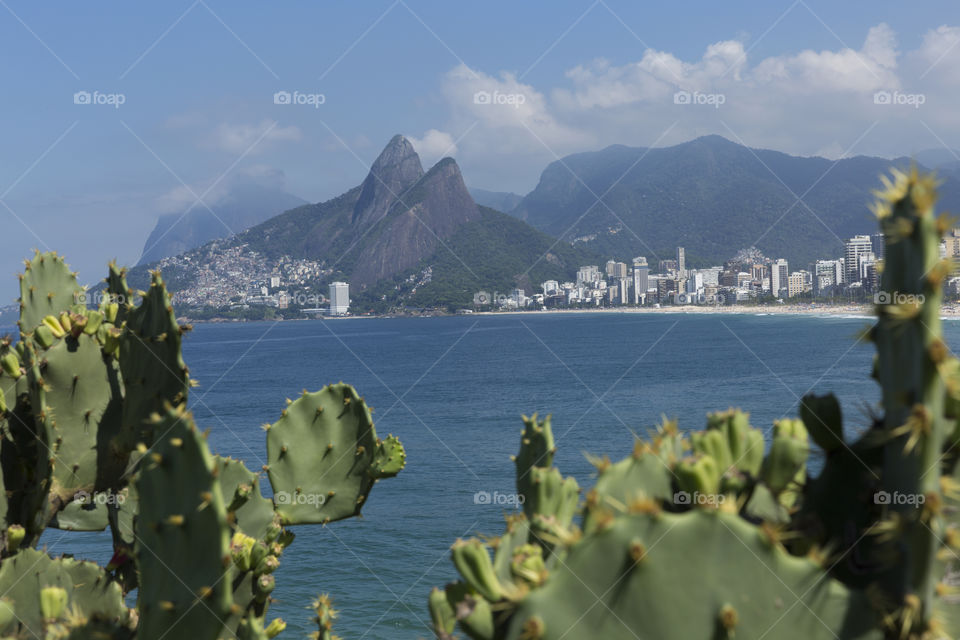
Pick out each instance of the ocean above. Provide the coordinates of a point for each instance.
(453, 390)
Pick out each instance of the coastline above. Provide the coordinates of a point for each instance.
(866, 312)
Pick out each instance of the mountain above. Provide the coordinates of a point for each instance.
(499, 200)
(242, 207)
(395, 218)
(402, 237)
(711, 196)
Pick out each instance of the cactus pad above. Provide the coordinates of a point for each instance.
(182, 544)
(324, 456)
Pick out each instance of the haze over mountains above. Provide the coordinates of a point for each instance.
(241, 207)
(422, 236)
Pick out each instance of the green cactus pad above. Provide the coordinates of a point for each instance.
(118, 293)
(694, 563)
(389, 459)
(154, 373)
(47, 288)
(536, 450)
(78, 407)
(88, 588)
(247, 509)
(322, 456)
(183, 545)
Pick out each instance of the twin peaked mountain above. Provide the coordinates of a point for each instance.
(403, 221)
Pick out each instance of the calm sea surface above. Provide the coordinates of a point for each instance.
(453, 390)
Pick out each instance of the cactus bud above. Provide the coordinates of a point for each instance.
(258, 551)
(15, 536)
(55, 327)
(698, 476)
(65, 322)
(264, 585)
(110, 311)
(787, 456)
(267, 565)
(241, 548)
(44, 336)
(11, 364)
(473, 562)
(93, 322)
(275, 628)
(53, 602)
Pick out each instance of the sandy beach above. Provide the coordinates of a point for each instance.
(951, 311)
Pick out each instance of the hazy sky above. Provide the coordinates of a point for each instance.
(182, 96)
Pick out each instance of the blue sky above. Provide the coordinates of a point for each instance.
(197, 80)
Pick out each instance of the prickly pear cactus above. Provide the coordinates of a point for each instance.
(94, 433)
(718, 534)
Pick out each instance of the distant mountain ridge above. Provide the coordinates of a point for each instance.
(711, 196)
(243, 206)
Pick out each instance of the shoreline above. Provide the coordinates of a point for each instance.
(951, 312)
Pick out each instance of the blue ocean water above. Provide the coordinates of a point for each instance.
(453, 390)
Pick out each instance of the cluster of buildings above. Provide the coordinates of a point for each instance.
(238, 277)
(749, 276)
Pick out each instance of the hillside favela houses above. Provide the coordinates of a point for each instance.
(748, 277)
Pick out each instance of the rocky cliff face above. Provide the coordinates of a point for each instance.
(430, 211)
(392, 174)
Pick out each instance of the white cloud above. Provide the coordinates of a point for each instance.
(433, 146)
(240, 138)
(807, 102)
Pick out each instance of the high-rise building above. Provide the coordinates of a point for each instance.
(681, 261)
(856, 246)
(695, 283)
(779, 277)
(623, 290)
(794, 284)
(588, 275)
(551, 288)
(827, 273)
(616, 269)
(339, 298)
(641, 279)
(877, 245)
(952, 244)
